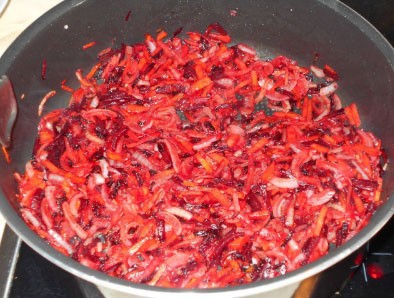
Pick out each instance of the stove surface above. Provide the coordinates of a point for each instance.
(374, 277)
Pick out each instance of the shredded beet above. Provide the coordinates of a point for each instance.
(43, 69)
(128, 15)
(164, 169)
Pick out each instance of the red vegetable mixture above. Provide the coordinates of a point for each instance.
(165, 170)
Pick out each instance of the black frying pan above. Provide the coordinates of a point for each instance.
(298, 29)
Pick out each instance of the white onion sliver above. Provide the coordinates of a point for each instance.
(205, 143)
(293, 245)
(60, 241)
(235, 129)
(277, 207)
(246, 49)
(94, 139)
(104, 167)
(143, 160)
(321, 198)
(50, 197)
(137, 246)
(284, 182)
(31, 217)
(290, 216)
(290, 86)
(337, 103)
(55, 178)
(317, 71)
(99, 113)
(360, 170)
(225, 83)
(329, 89)
(180, 212)
(322, 115)
(151, 45)
(95, 102)
(98, 179)
(275, 96)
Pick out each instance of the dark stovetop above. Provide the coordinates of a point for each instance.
(34, 276)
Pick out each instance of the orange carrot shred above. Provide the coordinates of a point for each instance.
(88, 45)
(6, 154)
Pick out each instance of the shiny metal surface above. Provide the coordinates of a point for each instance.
(9, 252)
(298, 29)
(9, 110)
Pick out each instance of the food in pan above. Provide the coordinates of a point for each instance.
(193, 163)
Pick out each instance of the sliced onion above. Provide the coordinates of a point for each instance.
(55, 178)
(205, 143)
(104, 167)
(317, 71)
(329, 89)
(31, 217)
(360, 170)
(98, 179)
(284, 182)
(94, 138)
(290, 216)
(180, 212)
(278, 206)
(151, 45)
(321, 198)
(73, 224)
(50, 192)
(225, 83)
(46, 214)
(172, 149)
(235, 129)
(75, 203)
(290, 86)
(140, 158)
(337, 103)
(100, 113)
(60, 241)
(277, 97)
(246, 49)
(94, 103)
